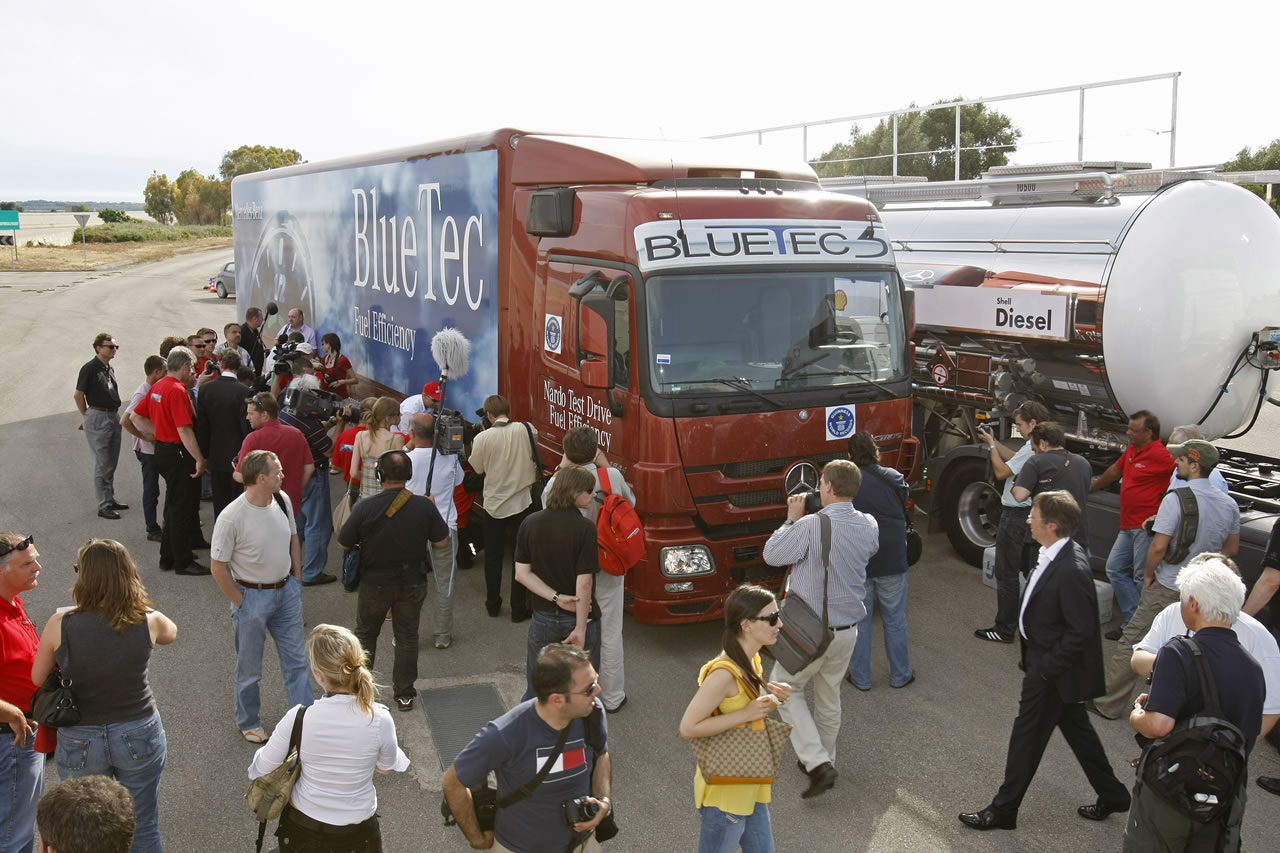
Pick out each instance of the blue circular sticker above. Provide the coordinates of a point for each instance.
(553, 334)
(840, 422)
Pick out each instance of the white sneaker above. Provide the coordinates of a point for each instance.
(444, 642)
(257, 734)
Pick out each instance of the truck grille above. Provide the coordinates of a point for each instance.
(764, 467)
(746, 554)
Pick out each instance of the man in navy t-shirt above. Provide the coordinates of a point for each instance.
(517, 744)
(1211, 596)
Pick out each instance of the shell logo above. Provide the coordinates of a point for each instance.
(842, 300)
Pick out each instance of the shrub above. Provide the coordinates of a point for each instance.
(142, 232)
(109, 215)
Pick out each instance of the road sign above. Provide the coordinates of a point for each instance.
(6, 239)
(83, 218)
(940, 374)
(8, 220)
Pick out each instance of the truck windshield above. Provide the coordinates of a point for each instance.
(733, 332)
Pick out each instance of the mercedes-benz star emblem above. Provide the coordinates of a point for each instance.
(800, 477)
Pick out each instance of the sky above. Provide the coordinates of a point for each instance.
(102, 94)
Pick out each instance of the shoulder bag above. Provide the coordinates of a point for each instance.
(540, 483)
(805, 635)
(269, 794)
(485, 799)
(747, 754)
(54, 703)
(351, 559)
(915, 545)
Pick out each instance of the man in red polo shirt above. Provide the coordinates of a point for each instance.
(178, 458)
(286, 442)
(1145, 467)
(21, 767)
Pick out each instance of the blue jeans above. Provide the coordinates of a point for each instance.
(21, 784)
(278, 611)
(1126, 565)
(891, 590)
(723, 832)
(133, 754)
(315, 524)
(150, 489)
(552, 626)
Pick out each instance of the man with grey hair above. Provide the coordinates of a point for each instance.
(178, 458)
(315, 520)
(257, 563)
(1216, 528)
(97, 397)
(1210, 597)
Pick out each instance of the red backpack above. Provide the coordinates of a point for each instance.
(618, 530)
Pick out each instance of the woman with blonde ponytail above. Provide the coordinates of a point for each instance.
(346, 736)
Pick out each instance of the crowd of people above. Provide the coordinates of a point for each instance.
(203, 414)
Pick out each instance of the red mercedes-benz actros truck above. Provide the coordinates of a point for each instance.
(721, 322)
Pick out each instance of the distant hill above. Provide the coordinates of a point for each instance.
(40, 204)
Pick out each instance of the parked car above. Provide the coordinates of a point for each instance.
(225, 281)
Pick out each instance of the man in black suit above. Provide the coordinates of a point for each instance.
(1062, 659)
(221, 427)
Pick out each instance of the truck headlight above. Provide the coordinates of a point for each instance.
(685, 560)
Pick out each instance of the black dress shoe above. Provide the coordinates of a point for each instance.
(616, 708)
(493, 608)
(116, 505)
(155, 536)
(988, 818)
(106, 512)
(192, 570)
(1100, 810)
(1270, 783)
(821, 779)
(522, 616)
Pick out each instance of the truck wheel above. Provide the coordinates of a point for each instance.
(970, 510)
(222, 290)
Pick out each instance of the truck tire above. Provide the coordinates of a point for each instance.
(970, 508)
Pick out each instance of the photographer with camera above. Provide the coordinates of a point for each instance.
(839, 577)
(563, 735)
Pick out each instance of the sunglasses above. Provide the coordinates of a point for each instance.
(6, 550)
(109, 346)
(589, 692)
(211, 342)
(773, 618)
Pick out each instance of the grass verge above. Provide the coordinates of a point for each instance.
(148, 232)
(62, 258)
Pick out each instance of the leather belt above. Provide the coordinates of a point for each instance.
(299, 819)
(6, 729)
(102, 409)
(277, 585)
(845, 627)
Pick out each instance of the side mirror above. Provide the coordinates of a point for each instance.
(909, 312)
(595, 340)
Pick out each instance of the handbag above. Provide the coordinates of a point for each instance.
(540, 483)
(805, 635)
(747, 754)
(269, 794)
(351, 559)
(342, 510)
(54, 703)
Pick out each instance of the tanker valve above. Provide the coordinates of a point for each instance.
(1266, 348)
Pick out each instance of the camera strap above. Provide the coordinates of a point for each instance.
(527, 789)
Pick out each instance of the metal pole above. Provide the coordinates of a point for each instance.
(1173, 125)
(804, 143)
(957, 142)
(895, 145)
(84, 250)
(1080, 127)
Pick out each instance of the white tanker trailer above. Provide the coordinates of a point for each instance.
(1098, 294)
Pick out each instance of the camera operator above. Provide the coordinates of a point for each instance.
(842, 581)
(562, 730)
(315, 521)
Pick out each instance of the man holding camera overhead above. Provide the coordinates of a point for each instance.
(840, 577)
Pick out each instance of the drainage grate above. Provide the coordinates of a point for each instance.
(455, 714)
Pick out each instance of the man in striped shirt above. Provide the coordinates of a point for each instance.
(855, 538)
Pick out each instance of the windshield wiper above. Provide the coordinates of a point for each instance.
(735, 383)
(868, 380)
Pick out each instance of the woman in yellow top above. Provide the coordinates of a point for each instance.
(734, 815)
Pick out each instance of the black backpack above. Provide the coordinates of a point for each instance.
(1199, 767)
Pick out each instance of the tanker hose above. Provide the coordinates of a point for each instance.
(1223, 389)
(1262, 395)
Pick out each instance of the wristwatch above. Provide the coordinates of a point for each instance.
(608, 802)
(555, 598)
(787, 523)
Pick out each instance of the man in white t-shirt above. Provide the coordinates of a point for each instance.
(1254, 638)
(257, 563)
(447, 477)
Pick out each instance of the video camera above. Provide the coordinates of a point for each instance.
(285, 354)
(450, 432)
(306, 403)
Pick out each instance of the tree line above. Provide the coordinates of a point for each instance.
(196, 199)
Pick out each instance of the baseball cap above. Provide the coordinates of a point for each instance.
(432, 390)
(1197, 451)
(306, 349)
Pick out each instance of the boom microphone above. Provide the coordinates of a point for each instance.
(272, 309)
(452, 352)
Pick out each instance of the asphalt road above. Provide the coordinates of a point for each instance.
(910, 759)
